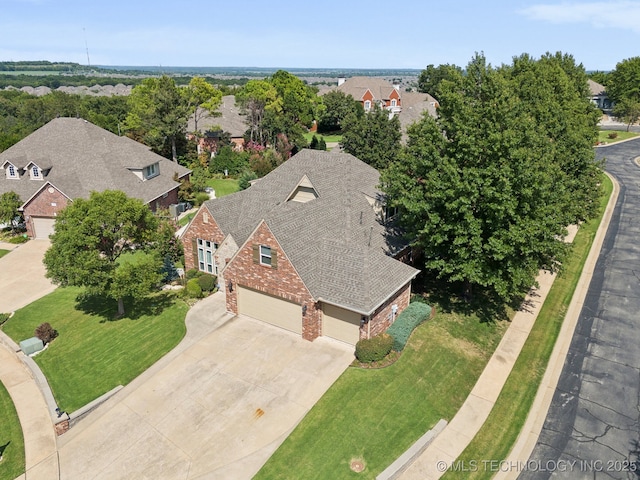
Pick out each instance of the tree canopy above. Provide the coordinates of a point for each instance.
(488, 188)
(624, 89)
(92, 239)
(431, 77)
(337, 105)
(9, 204)
(374, 137)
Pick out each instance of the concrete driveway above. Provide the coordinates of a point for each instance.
(216, 407)
(22, 277)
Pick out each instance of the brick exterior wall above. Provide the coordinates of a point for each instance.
(199, 228)
(44, 204)
(381, 318)
(161, 203)
(392, 95)
(283, 281)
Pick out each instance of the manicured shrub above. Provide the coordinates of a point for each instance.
(45, 332)
(191, 273)
(19, 239)
(193, 290)
(207, 282)
(613, 135)
(200, 198)
(374, 349)
(406, 322)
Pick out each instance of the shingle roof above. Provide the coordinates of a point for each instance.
(595, 88)
(357, 86)
(82, 157)
(335, 242)
(230, 119)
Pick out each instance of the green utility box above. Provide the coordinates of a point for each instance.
(31, 345)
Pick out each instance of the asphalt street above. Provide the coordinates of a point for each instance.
(592, 429)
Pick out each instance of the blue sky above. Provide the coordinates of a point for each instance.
(326, 33)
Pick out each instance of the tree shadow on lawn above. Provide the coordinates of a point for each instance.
(449, 298)
(106, 308)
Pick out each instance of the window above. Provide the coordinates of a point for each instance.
(206, 260)
(151, 171)
(390, 212)
(393, 102)
(35, 172)
(367, 105)
(11, 172)
(265, 255)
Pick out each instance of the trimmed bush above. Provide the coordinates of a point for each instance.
(207, 282)
(45, 332)
(191, 273)
(193, 289)
(374, 349)
(613, 135)
(406, 322)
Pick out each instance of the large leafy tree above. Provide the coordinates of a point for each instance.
(624, 89)
(92, 239)
(337, 105)
(257, 98)
(9, 204)
(158, 114)
(374, 138)
(484, 190)
(201, 98)
(431, 77)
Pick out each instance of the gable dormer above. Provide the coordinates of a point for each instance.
(11, 171)
(304, 191)
(35, 171)
(151, 171)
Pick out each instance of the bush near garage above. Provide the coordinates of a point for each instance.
(193, 289)
(207, 282)
(45, 332)
(406, 322)
(374, 349)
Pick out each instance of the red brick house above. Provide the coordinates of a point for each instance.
(372, 91)
(69, 158)
(306, 248)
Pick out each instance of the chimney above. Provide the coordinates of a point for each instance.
(341, 80)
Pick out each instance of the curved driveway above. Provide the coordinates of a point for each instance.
(592, 428)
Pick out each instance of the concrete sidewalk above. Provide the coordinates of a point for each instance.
(40, 447)
(464, 426)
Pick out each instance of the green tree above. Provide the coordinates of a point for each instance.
(483, 189)
(158, 114)
(90, 243)
(337, 106)
(9, 204)
(624, 81)
(374, 138)
(431, 77)
(256, 98)
(201, 98)
(627, 110)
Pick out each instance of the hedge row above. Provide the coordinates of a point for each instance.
(406, 322)
(374, 349)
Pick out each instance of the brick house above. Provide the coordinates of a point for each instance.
(308, 248)
(228, 121)
(69, 158)
(372, 91)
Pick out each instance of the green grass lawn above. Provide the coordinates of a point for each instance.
(603, 136)
(94, 353)
(375, 415)
(223, 186)
(11, 440)
(3, 252)
(186, 219)
(497, 436)
(327, 138)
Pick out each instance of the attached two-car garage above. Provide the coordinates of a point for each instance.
(42, 226)
(337, 323)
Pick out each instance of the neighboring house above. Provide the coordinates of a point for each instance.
(414, 106)
(370, 91)
(68, 158)
(307, 248)
(599, 95)
(229, 121)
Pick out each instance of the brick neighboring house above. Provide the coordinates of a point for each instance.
(230, 121)
(370, 91)
(307, 248)
(68, 158)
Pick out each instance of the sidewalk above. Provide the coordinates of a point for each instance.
(41, 456)
(464, 426)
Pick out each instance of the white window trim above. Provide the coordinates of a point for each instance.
(151, 171)
(394, 102)
(12, 171)
(35, 173)
(206, 258)
(265, 256)
(367, 105)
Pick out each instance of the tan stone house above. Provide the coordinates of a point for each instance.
(68, 158)
(308, 248)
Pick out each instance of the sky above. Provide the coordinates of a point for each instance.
(322, 34)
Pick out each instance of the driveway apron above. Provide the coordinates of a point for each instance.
(217, 407)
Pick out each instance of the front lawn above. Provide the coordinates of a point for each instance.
(11, 439)
(94, 353)
(375, 415)
(223, 186)
(603, 136)
(327, 138)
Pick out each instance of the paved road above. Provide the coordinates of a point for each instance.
(592, 430)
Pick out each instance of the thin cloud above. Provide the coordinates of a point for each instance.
(618, 14)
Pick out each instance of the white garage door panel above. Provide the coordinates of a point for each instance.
(270, 309)
(340, 324)
(43, 227)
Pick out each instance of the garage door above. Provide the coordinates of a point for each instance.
(43, 227)
(270, 309)
(340, 324)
